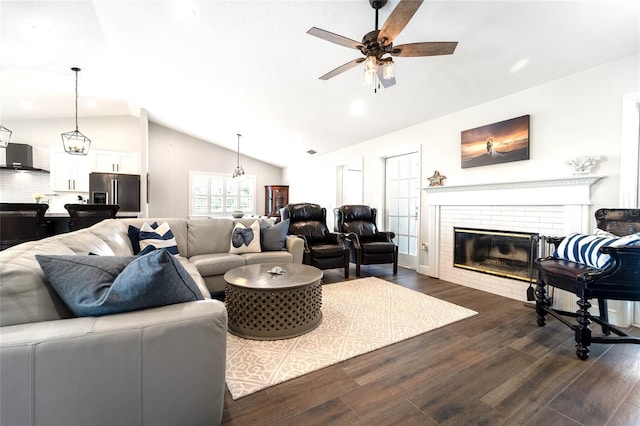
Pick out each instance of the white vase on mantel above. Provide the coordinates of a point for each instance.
(584, 164)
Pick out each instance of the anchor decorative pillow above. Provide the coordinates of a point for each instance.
(245, 240)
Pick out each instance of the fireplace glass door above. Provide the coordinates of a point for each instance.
(504, 253)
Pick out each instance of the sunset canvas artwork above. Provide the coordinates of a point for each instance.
(496, 143)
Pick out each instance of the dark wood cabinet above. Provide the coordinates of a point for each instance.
(275, 197)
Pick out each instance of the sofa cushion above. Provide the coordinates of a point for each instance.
(103, 285)
(25, 295)
(273, 237)
(216, 263)
(193, 271)
(245, 239)
(585, 249)
(268, 257)
(114, 234)
(83, 242)
(159, 237)
(209, 235)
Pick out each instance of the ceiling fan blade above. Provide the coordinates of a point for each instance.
(342, 68)
(385, 83)
(335, 38)
(425, 49)
(398, 19)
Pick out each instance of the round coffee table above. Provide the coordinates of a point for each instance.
(264, 306)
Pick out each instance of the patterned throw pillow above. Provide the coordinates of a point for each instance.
(134, 236)
(585, 249)
(159, 237)
(245, 240)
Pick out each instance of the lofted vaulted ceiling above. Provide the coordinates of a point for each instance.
(212, 69)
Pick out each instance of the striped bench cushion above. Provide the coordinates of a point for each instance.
(585, 249)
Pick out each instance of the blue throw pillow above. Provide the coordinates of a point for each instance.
(273, 237)
(134, 236)
(103, 285)
(585, 249)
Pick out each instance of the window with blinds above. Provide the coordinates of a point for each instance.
(217, 194)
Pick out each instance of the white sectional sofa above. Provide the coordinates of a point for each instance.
(157, 366)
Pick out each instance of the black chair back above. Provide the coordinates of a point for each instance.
(359, 219)
(21, 222)
(619, 222)
(306, 219)
(86, 215)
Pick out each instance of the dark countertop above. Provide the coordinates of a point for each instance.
(65, 215)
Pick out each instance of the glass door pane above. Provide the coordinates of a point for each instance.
(402, 201)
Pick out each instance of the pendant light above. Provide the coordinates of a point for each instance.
(239, 171)
(5, 136)
(75, 143)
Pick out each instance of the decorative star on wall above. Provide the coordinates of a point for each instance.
(436, 179)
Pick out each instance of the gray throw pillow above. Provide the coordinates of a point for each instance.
(273, 237)
(103, 285)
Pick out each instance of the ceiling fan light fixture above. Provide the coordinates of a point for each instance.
(74, 142)
(388, 69)
(379, 42)
(5, 136)
(370, 70)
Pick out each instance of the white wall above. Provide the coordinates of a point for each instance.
(166, 154)
(173, 154)
(116, 133)
(576, 115)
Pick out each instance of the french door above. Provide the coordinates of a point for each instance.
(402, 201)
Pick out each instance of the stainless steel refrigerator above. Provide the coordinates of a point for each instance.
(115, 188)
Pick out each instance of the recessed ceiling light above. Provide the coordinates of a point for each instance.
(358, 108)
(92, 104)
(28, 106)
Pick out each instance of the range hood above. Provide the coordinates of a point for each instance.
(20, 157)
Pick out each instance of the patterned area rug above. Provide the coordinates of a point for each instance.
(359, 316)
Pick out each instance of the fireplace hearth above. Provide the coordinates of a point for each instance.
(506, 254)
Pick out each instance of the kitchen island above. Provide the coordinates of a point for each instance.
(58, 222)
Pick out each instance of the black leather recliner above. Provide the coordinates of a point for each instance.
(367, 245)
(322, 249)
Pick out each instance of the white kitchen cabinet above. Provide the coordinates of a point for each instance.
(69, 172)
(116, 162)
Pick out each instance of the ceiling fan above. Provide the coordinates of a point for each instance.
(378, 43)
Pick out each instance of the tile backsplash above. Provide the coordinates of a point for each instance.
(19, 186)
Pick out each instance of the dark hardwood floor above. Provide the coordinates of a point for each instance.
(497, 367)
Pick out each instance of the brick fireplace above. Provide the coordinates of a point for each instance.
(552, 207)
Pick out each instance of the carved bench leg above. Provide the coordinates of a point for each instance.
(583, 331)
(604, 315)
(541, 302)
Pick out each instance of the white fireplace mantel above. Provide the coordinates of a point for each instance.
(563, 191)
